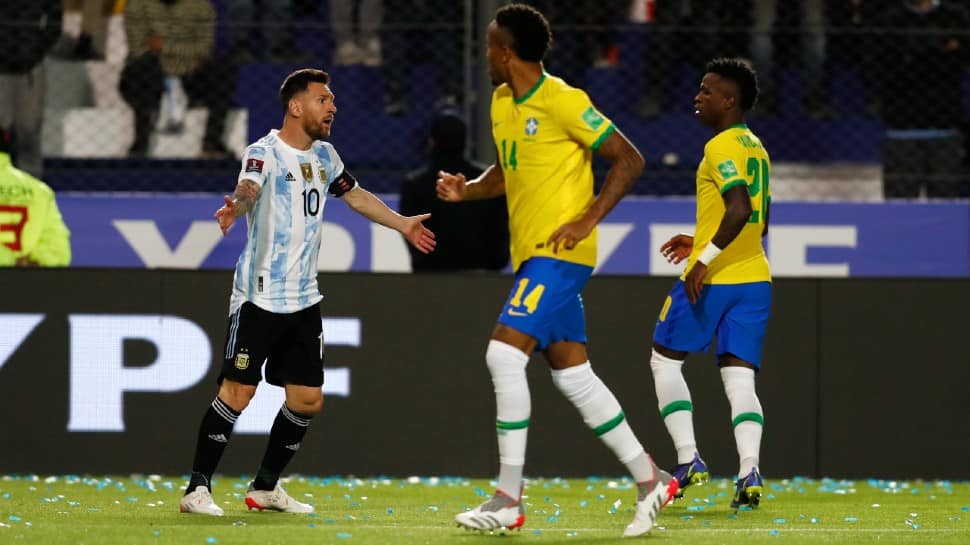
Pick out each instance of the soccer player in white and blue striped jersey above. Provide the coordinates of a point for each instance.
(274, 313)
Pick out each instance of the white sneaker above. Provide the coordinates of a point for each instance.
(275, 500)
(200, 501)
(499, 512)
(649, 503)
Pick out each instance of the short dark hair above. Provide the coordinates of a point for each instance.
(531, 36)
(740, 72)
(298, 82)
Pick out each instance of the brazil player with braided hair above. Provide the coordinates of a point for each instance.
(725, 291)
(545, 134)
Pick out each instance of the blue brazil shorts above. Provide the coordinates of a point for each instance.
(545, 301)
(736, 313)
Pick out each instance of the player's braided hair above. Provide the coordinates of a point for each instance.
(531, 36)
(298, 82)
(740, 72)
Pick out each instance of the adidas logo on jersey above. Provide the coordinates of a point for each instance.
(289, 177)
(219, 438)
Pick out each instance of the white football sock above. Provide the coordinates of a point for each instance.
(513, 409)
(676, 409)
(602, 412)
(746, 415)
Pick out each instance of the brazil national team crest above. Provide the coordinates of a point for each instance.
(242, 361)
(531, 126)
(307, 170)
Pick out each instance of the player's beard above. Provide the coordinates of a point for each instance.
(315, 131)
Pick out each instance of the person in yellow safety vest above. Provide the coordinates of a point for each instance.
(32, 232)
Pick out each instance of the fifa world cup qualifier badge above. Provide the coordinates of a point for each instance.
(242, 361)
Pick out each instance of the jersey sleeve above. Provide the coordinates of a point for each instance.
(340, 181)
(53, 247)
(724, 167)
(256, 165)
(581, 120)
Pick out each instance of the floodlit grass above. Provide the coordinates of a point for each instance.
(144, 510)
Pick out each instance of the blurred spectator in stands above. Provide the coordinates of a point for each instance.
(175, 38)
(586, 34)
(471, 235)
(30, 30)
(89, 44)
(32, 232)
(818, 38)
(270, 20)
(356, 25)
(922, 51)
(687, 33)
(417, 31)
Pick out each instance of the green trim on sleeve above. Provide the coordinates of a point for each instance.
(731, 184)
(602, 138)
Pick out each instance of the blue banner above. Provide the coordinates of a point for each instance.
(805, 239)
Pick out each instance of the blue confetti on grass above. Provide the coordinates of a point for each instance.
(537, 532)
(852, 519)
(6, 495)
(157, 533)
(584, 503)
(211, 539)
(13, 518)
(390, 511)
(780, 521)
(344, 535)
(774, 533)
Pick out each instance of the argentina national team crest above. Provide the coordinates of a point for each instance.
(242, 361)
(307, 170)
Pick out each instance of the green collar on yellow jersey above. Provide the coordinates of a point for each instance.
(739, 126)
(532, 91)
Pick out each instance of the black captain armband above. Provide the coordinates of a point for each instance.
(343, 183)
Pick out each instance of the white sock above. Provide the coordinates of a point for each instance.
(746, 415)
(602, 412)
(675, 405)
(513, 407)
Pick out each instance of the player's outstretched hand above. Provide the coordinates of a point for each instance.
(226, 215)
(417, 234)
(569, 235)
(694, 282)
(678, 248)
(451, 187)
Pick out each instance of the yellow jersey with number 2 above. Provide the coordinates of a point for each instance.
(733, 157)
(545, 141)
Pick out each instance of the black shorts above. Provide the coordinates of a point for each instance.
(290, 344)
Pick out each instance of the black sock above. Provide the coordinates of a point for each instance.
(214, 434)
(284, 440)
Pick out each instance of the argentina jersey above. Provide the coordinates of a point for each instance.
(277, 269)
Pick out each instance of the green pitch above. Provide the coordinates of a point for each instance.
(384, 511)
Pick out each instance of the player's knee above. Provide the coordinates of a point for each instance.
(308, 402)
(662, 363)
(236, 395)
(504, 359)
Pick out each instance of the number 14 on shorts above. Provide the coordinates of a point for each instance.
(519, 306)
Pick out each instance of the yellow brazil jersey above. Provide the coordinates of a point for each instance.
(733, 157)
(545, 141)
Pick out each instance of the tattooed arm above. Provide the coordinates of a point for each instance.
(243, 201)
